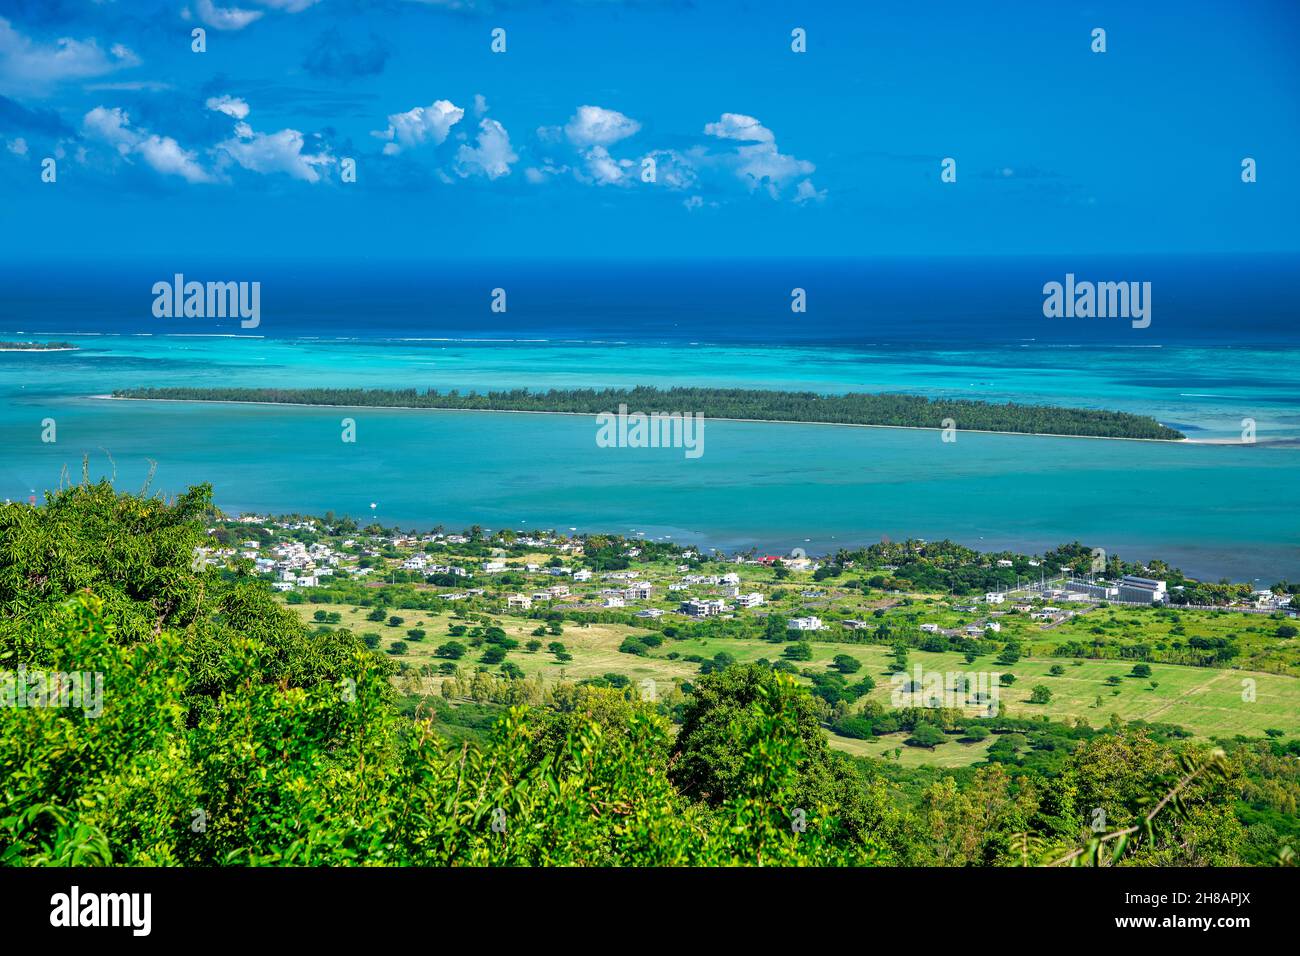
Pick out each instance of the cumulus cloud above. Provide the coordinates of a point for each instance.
(749, 155)
(759, 163)
(419, 125)
(236, 18)
(28, 65)
(266, 153)
(491, 157)
(540, 174)
(161, 153)
(603, 168)
(596, 126)
(764, 165)
(232, 106)
(226, 18)
(589, 133)
(807, 192)
(281, 152)
(739, 126)
(17, 146)
(112, 126)
(289, 6)
(673, 169)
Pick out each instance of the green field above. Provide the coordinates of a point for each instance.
(1206, 702)
(950, 754)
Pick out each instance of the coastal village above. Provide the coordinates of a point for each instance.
(643, 592)
(289, 563)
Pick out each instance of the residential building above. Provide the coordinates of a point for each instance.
(806, 624)
(699, 608)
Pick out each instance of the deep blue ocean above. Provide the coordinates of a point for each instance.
(1247, 301)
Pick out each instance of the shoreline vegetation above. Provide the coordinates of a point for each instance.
(730, 404)
(38, 347)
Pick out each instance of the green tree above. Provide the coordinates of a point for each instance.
(846, 664)
(925, 735)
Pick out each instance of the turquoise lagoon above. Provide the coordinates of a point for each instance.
(1213, 509)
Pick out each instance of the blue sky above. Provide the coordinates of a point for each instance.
(540, 151)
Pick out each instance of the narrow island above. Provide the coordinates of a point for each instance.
(738, 404)
(38, 347)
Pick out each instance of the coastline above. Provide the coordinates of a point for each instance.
(760, 421)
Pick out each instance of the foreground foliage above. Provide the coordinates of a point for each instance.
(230, 735)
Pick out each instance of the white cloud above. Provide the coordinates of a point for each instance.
(17, 146)
(764, 165)
(480, 104)
(493, 155)
(280, 152)
(166, 156)
(416, 126)
(226, 18)
(289, 6)
(133, 86)
(603, 168)
(161, 153)
(548, 169)
(739, 126)
(697, 202)
(758, 162)
(232, 106)
(112, 126)
(236, 18)
(596, 126)
(807, 191)
(673, 170)
(25, 64)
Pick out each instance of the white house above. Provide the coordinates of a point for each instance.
(519, 601)
(806, 624)
(698, 608)
(752, 599)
